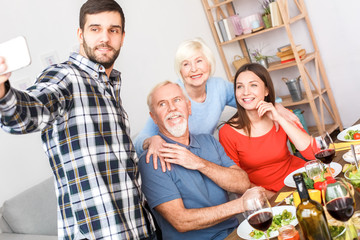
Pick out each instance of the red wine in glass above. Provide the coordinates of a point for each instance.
(324, 149)
(325, 156)
(340, 202)
(341, 209)
(258, 210)
(261, 220)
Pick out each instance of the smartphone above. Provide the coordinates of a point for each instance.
(16, 54)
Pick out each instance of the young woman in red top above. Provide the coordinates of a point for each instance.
(250, 138)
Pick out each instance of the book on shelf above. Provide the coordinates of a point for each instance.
(288, 48)
(288, 52)
(286, 61)
(291, 57)
(284, 48)
(223, 30)
(217, 28)
(229, 27)
(276, 19)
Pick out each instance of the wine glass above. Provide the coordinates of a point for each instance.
(338, 197)
(313, 169)
(324, 149)
(258, 211)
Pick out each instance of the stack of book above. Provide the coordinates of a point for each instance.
(228, 28)
(286, 54)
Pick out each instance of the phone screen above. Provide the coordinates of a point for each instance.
(16, 54)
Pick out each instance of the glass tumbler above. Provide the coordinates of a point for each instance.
(288, 232)
(313, 169)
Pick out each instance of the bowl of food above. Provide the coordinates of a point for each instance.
(338, 230)
(356, 221)
(352, 175)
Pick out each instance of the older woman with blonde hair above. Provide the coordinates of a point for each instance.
(195, 65)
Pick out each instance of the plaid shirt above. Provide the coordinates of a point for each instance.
(85, 134)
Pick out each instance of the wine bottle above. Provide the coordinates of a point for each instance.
(310, 214)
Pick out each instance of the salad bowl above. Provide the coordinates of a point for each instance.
(353, 176)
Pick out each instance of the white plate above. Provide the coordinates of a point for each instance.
(289, 181)
(343, 133)
(245, 229)
(348, 156)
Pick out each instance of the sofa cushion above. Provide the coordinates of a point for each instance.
(33, 211)
(4, 227)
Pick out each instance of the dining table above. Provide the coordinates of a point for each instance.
(338, 159)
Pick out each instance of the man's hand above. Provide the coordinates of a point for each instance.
(3, 78)
(153, 144)
(252, 193)
(173, 153)
(231, 179)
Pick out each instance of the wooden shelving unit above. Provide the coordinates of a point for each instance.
(316, 86)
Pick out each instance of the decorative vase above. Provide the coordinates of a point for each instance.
(267, 20)
(264, 62)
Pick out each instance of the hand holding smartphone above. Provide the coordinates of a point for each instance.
(16, 54)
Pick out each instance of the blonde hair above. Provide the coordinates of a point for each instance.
(188, 48)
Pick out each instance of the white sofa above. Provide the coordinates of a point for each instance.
(31, 215)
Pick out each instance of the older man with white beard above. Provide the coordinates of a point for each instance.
(190, 201)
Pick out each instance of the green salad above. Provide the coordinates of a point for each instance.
(336, 231)
(279, 220)
(350, 134)
(355, 178)
(354, 174)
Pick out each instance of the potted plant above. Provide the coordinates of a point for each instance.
(266, 16)
(260, 58)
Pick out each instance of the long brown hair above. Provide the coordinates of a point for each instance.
(240, 120)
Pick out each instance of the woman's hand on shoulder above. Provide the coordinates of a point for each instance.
(179, 155)
(154, 143)
(288, 115)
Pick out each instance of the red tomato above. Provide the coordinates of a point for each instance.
(319, 185)
(356, 136)
(330, 180)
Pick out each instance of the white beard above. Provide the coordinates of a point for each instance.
(179, 129)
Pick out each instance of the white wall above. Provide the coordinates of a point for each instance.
(335, 23)
(154, 29)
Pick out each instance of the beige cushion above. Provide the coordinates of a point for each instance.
(4, 227)
(33, 211)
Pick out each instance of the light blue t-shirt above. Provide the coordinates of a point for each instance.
(204, 116)
(195, 189)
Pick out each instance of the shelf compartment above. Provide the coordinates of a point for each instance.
(244, 36)
(328, 128)
(287, 101)
(273, 66)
